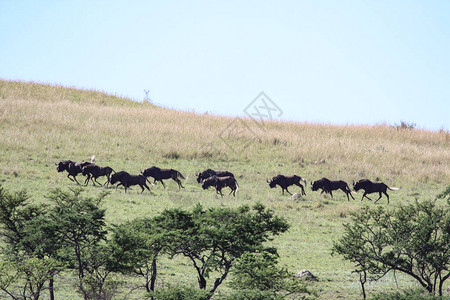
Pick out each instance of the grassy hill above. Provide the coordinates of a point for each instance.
(43, 124)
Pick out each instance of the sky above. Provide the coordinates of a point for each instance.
(327, 61)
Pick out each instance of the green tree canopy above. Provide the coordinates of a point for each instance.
(413, 239)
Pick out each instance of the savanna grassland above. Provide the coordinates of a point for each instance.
(42, 124)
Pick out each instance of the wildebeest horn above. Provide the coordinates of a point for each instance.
(353, 182)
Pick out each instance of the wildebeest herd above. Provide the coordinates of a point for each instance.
(211, 178)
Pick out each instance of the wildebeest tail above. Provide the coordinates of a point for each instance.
(181, 175)
(392, 188)
(304, 180)
(237, 185)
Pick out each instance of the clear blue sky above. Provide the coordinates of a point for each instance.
(339, 62)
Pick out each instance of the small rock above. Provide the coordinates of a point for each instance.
(295, 197)
(306, 275)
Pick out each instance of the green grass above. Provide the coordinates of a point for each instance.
(42, 124)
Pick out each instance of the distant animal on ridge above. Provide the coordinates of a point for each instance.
(285, 181)
(220, 182)
(209, 172)
(328, 186)
(160, 174)
(93, 172)
(128, 180)
(370, 187)
(73, 168)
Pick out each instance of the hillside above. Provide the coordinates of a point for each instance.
(43, 124)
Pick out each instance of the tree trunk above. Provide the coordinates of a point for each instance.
(362, 280)
(221, 278)
(153, 277)
(201, 281)
(51, 289)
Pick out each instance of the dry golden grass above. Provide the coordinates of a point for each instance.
(71, 123)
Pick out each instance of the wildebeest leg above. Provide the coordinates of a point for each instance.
(68, 176)
(387, 196)
(331, 194)
(219, 191)
(288, 191)
(146, 186)
(163, 184)
(179, 183)
(123, 186)
(97, 181)
(378, 197)
(362, 197)
(87, 179)
(75, 179)
(92, 179)
(365, 195)
(349, 193)
(303, 190)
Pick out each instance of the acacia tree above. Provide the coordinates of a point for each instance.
(219, 236)
(413, 239)
(79, 226)
(30, 252)
(137, 245)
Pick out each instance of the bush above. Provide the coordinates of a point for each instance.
(179, 293)
(418, 294)
(252, 295)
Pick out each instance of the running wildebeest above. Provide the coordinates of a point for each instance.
(160, 174)
(118, 177)
(128, 180)
(370, 187)
(208, 173)
(285, 181)
(73, 168)
(328, 186)
(93, 172)
(220, 182)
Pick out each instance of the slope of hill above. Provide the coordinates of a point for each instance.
(43, 124)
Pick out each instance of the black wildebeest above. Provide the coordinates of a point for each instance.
(73, 168)
(208, 173)
(220, 182)
(118, 177)
(128, 180)
(285, 181)
(160, 174)
(370, 187)
(328, 186)
(93, 172)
